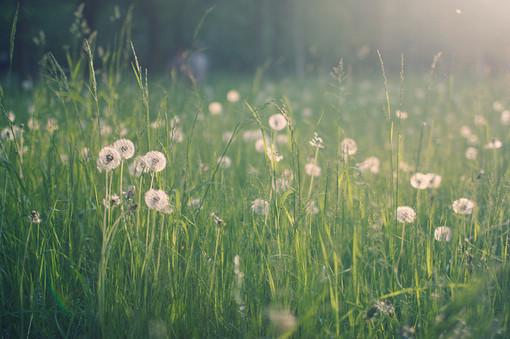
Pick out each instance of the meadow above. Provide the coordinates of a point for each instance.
(141, 206)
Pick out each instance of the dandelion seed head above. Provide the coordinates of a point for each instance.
(348, 147)
(370, 164)
(233, 96)
(505, 117)
(480, 120)
(434, 180)
(307, 112)
(443, 233)
(109, 159)
(155, 161)
(260, 206)
(253, 171)
(106, 130)
(259, 145)
(473, 139)
(283, 320)
(123, 131)
(281, 185)
(138, 166)
(494, 144)
(471, 153)
(227, 136)
(497, 106)
(405, 214)
(463, 206)
(282, 139)
(404, 166)
(401, 114)
(125, 147)
(252, 135)
(312, 170)
(419, 181)
(215, 108)
(156, 199)
(465, 131)
(277, 122)
(224, 162)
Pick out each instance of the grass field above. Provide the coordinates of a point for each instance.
(271, 213)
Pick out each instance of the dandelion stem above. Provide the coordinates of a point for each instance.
(218, 229)
(313, 172)
(400, 255)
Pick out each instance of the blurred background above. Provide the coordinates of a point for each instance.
(291, 37)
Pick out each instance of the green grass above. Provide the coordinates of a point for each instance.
(88, 271)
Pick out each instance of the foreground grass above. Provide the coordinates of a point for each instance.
(326, 258)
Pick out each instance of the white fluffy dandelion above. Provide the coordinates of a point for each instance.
(463, 206)
(443, 233)
(312, 170)
(224, 162)
(471, 153)
(155, 161)
(494, 144)
(434, 180)
(405, 214)
(370, 164)
(260, 206)
(277, 122)
(125, 147)
(138, 166)
(227, 136)
(348, 146)
(215, 108)
(465, 131)
(109, 159)
(259, 145)
(281, 185)
(157, 200)
(283, 320)
(505, 117)
(233, 96)
(419, 181)
(252, 135)
(401, 114)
